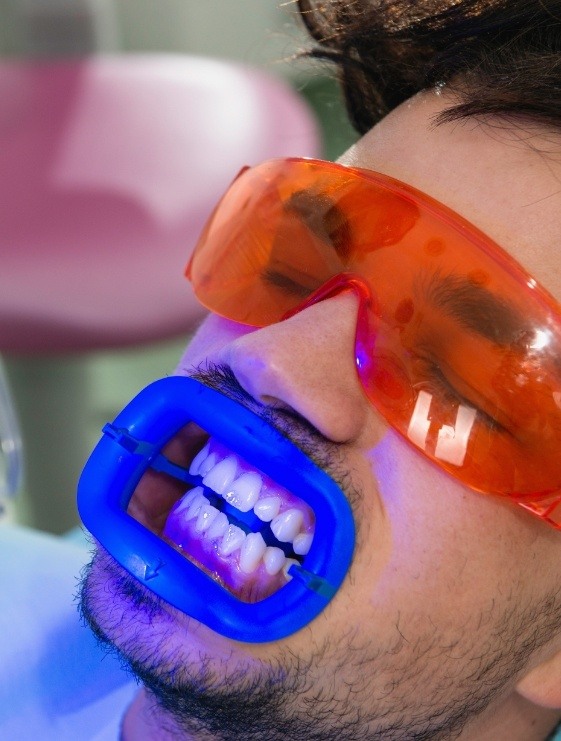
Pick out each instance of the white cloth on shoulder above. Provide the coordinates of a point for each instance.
(56, 683)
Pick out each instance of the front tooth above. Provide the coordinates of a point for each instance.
(188, 499)
(302, 543)
(274, 559)
(222, 475)
(232, 540)
(208, 464)
(286, 526)
(195, 506)
(286, 568)
(268, 508)
(205, 518)
(244, 492)
(218, 527)
(251, 552)
(198, 459)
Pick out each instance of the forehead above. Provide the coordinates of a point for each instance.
(504, 178)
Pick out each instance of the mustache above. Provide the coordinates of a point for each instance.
(323, 452)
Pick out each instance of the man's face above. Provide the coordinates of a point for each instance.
(444, 603)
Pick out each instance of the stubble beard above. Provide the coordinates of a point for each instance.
(345, 689)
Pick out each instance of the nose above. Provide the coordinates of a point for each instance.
(306, 363)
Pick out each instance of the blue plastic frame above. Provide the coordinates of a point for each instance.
(133, 443)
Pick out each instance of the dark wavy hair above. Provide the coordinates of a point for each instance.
(499, 57)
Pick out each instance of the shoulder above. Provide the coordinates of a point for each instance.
(55, 683)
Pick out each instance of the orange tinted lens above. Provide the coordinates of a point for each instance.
(283, 229)
(463, 354)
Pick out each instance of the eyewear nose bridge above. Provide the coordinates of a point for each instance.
(333, 287)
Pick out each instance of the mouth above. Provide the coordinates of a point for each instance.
(232, 521)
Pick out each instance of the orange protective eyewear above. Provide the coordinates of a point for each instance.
(457, 346)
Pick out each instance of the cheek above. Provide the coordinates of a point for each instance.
(450, 550)
(208, 342)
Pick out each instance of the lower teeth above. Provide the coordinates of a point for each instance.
(228, 534)
(252, 552)
(273, 560)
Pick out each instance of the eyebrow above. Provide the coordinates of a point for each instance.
(472, 305)
(477, 309)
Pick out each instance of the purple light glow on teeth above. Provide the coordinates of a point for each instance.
(241, 561)
(252, 552)
(273, 559)
(287, 525)
(221, 477)
(267, 508)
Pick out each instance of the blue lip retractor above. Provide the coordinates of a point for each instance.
(132, 444)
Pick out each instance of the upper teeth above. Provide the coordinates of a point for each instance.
(207, 464)
(302, 543)
(267, 508)
(241, 489)
(286, 526)
(221, 476)
(244, 492)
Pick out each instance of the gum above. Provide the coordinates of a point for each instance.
(248, 587)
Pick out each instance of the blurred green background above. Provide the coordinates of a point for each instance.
(258, 32)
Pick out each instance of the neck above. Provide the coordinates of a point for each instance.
(145, 721)
(514, 719)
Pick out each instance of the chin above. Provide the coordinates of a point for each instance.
(129, 619)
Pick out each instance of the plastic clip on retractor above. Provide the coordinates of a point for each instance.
(131, 445)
